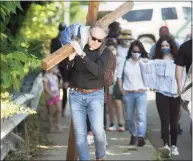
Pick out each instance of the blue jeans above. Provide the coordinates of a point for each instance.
(93, 105)
(136, 109)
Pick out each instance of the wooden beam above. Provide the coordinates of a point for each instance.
(117, 13)
(56, 57)
(92, 13)
(91, 19)
(53, 59)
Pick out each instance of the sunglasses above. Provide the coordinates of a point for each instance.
(94, 39)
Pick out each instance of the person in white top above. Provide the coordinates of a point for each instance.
(133, 92)
(168, 104)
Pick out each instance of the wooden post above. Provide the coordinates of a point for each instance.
(53, 59)
(71, 150)
(91, 19)
(92, 13)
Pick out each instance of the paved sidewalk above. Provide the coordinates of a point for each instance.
(118, 148)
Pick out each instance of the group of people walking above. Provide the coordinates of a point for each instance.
(127, 96)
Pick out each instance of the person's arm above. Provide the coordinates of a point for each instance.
(180, 63)
(179, 74)
(98, 67)
(120, 84)
(120, 66)
(47, 89)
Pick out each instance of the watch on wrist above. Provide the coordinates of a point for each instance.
(83, 55)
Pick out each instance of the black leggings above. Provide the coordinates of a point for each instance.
(168, 109)
(105, 120)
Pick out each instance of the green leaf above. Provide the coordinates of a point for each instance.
(12, 7)
(6, 80)
(18, 56)
(15, 74)
(3, 58)
(16, 84)
(18, 4)
(3, 36)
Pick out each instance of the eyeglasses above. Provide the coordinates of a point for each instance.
(94, 39)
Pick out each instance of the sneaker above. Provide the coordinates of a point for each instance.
(141, 141)
(121, 129)
(90, 139)
(174, 150)
(165, 151)
(112, 128)
(133, 140)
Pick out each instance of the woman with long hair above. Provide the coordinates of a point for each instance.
(133, 92)
(168, 104)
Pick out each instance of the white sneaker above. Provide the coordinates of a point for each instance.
(165, 151)
(112, 128)
(174, 150)
(90, 139)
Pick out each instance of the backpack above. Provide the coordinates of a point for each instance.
(110, 69)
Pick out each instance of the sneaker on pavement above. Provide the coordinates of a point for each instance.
(133, 140)
(141, 142)
(174, 150)
(121, 129)
(165, 151)
(112, 128)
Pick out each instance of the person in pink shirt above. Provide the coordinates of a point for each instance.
(52, 94)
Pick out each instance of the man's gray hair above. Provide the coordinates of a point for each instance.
(104, 28)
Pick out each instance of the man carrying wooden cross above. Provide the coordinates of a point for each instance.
(86, 94)
(90, 63)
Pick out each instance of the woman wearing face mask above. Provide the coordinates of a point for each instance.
(134, 92)
(168, 104)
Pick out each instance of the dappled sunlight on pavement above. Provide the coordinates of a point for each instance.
(118, 146)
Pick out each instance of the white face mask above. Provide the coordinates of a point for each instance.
(136, 55)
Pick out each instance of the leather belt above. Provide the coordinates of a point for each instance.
(86, 90)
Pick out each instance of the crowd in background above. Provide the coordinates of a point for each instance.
(127, 96)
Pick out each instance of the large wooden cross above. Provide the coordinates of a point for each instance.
(66, 50)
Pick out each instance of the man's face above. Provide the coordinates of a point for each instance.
(96, 37)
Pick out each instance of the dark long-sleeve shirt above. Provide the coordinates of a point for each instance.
(184, 56)
(88, 73)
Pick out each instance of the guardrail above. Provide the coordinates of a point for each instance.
(32, 100)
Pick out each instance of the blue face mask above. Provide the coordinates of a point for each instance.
(165, 51)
